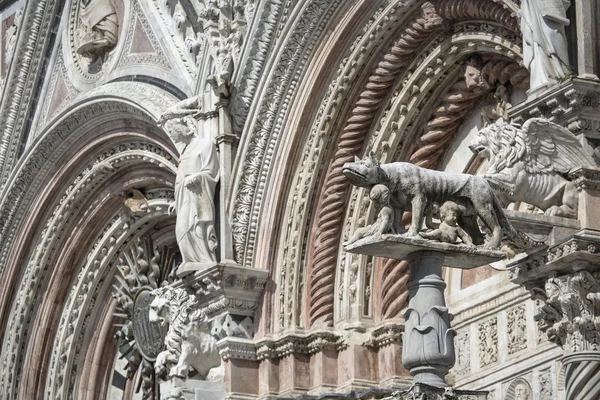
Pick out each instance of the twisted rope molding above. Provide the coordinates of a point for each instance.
(324, 247)
(456, 105)
(324, 250)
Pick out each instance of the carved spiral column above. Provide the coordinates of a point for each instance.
(456, 105)
(330, 214)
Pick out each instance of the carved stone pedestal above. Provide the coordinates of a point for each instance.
(428, 339)
(191, 389)
(421, 391)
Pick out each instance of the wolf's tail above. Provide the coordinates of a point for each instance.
(519, 239)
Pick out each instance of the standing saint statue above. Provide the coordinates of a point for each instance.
(197, 177)
(545, 51)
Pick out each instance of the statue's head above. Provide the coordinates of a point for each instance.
(363, 173)
(380, 194)
(449, 212)
(429, 16)
(473, 74)
(170, 304)
(522, 391)
(159, 311)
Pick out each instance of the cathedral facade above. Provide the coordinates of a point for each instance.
(179, 199)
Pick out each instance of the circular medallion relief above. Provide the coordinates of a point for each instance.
(149, 337)
(94, 31)
(519, 389)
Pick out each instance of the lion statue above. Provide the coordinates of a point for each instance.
(531, 164)
(189, 341)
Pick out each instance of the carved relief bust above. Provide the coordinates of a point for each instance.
(519, 389)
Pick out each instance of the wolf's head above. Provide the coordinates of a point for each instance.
(363, 173)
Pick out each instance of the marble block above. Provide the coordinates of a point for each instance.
(399, 247)
(192, 389)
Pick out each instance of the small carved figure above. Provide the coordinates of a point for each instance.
(184, 108)
(380, 196)
(449, 231)
(101, 28)
(497, 112)
(530, 164)
(545, 51)
(188, 340)
(197, 177)
(420, 188)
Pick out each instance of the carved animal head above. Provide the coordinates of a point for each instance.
(175, 307)
(473, 74)
(502, 144)
(363, 173)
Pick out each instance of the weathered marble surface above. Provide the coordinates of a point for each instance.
(529, 164)
(399, 247)
(545, 50)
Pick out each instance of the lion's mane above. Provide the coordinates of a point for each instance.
(506, 146)
(182, 312)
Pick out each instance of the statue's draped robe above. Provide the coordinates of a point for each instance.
(545, 51)
(100, 15)
(195, 226)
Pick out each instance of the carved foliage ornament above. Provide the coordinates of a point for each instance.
(570, 310)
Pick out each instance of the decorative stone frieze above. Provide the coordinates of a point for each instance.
(299, 344)
(463, 352)
(570, 104)
(488, 342)
(516, 329)
(426, 392)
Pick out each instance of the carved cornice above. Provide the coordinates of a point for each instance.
(227, 287)
(299, 344)
(386, 334)
(571, 103)
(585, 178)
(582, 250)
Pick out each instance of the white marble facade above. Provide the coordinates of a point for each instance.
(279, 95)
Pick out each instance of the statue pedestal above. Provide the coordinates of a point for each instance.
(188, 268)
(421, 391)
(428, 339)
(191, 389)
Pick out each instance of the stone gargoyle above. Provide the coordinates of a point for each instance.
(417, 189)
(189, 342)
(530, 164)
